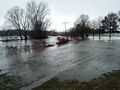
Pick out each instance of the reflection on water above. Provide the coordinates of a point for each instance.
(21, 49)
(30, 46)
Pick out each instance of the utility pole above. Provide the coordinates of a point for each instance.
(65, 23)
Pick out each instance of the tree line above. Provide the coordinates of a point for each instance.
(83, 27)
(34, 22)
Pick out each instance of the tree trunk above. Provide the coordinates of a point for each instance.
(21, 37)
(83, 37)
(110, 35)
(93, 35)
(25, 36)
(99, 35)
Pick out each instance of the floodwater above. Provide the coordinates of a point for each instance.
(80, 60)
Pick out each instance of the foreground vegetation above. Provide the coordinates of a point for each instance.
(10, 82)
(108, 81)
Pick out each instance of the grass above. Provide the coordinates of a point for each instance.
(108, 81)
(10, 82)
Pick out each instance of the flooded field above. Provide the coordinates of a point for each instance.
(30, 60)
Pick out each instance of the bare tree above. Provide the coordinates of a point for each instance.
(118, 20)
(6, 34)
(34, 18)
(96, 25)
(82, 26)
(99, 21)
(14, 17)
(25, 25)
(18, 19)
(38, 16)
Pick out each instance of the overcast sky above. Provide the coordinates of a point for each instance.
(66, 9)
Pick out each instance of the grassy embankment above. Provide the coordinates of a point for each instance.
(10, 82)
(108, 81)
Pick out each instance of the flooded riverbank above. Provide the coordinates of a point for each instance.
(32, 62)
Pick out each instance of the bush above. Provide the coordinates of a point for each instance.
(38, 34)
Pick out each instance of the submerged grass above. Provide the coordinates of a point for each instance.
(108, 81)
(10, 82)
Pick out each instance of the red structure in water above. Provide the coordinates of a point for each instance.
(62, 40)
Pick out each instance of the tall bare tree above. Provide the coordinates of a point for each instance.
(18, 19)
(99, 21)
(34, 18)
(25, 25)
(14, 17)
(38, 15)
(82, 26)
(118, 20)
(96, 25)
(6, 33)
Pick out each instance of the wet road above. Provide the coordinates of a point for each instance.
(81, 60)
